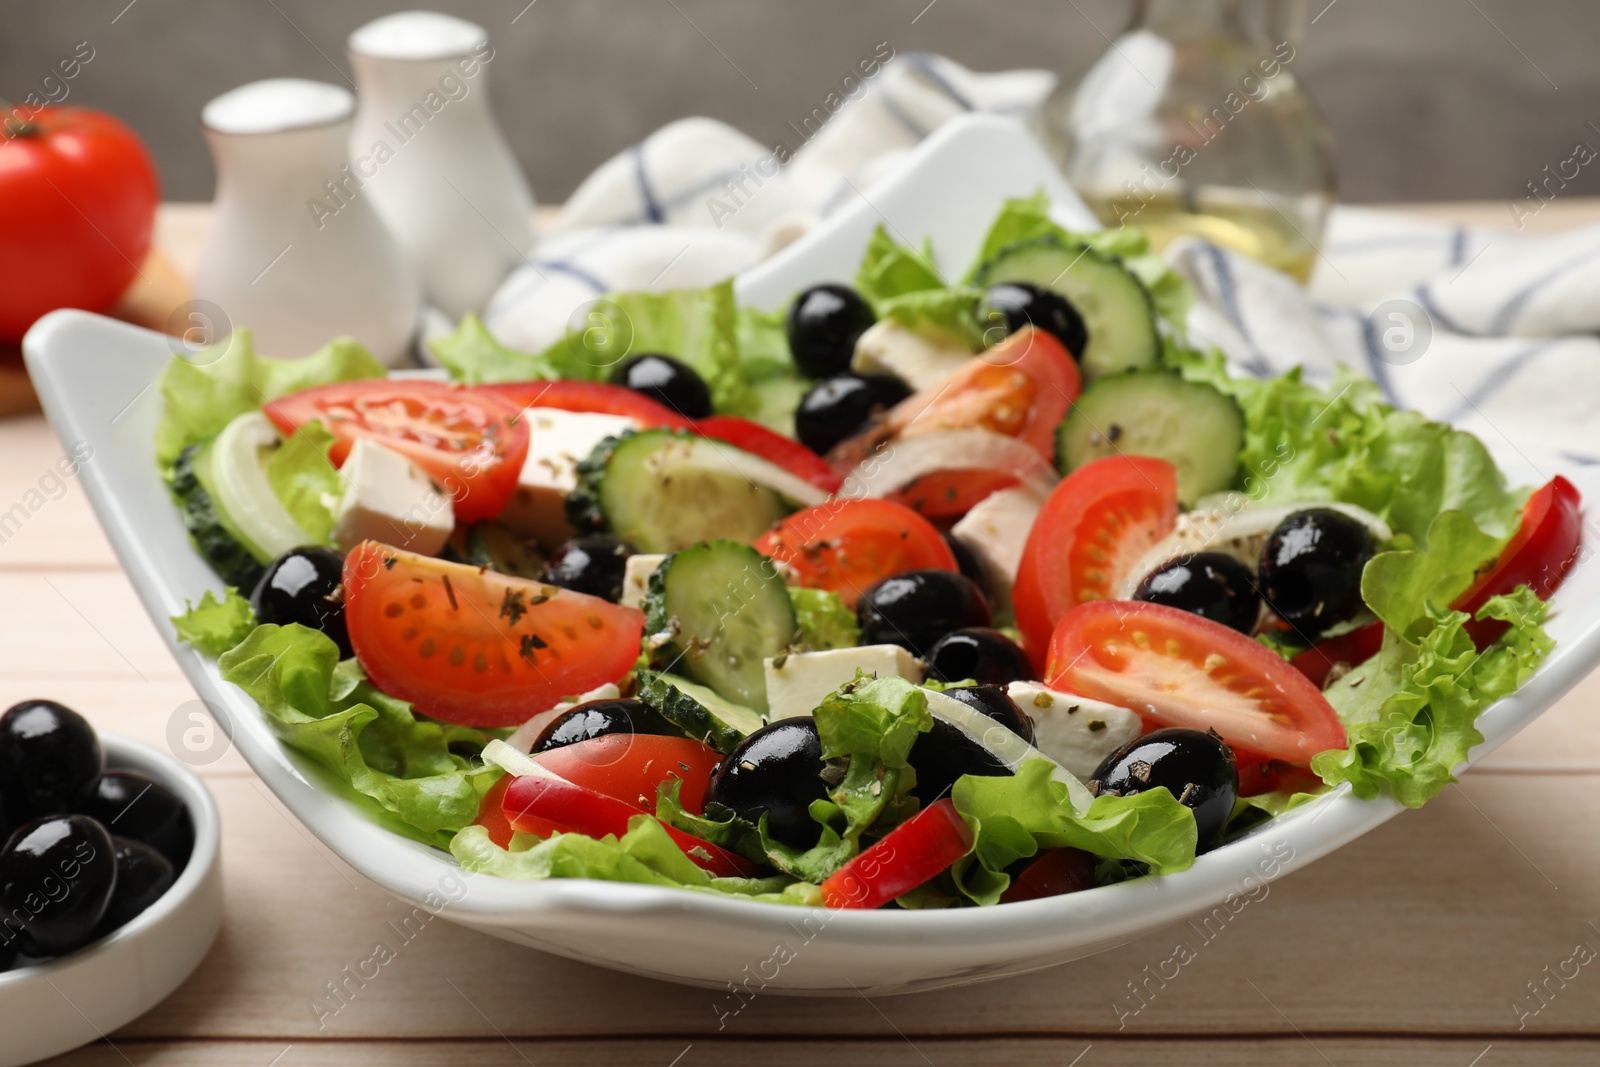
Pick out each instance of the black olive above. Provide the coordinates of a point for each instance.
(1311, 569)
(598, 718)
(143, 876)
(302, 586)
(836, 408)
(666, 381)
(48, 755)
(778, 770)
(944, 754)
(915, 609)
(824, 324)
(995, 702)
(1196, 768)
(967, 563)
(593, 564)
(56, 879)
(1212, 585)
(136, 806)
(979, 653)
(1020, 304)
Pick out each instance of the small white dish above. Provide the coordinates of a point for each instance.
(95, 375)
(49, 1008)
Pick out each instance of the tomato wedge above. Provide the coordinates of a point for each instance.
(848, 546)
(1093, 527)
(596, 397)
(471, 443)
(913, 852)
(539, 805)
(1022, 388)
(631, 767)
(951, 494)
(476, 647)
(492, 815)
(786, 452)
(1054, 872)
(1259, 774)
(1178, 669)
(1348, 649)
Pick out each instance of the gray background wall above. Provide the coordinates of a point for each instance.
(1427, 99)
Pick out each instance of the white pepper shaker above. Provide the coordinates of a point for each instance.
(295, 253)
(431, 158)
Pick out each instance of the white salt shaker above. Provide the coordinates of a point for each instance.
(432, 159)
(295, 253)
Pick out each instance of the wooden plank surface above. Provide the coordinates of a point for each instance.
(1415, 944)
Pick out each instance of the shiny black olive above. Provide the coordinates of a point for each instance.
(136, 806)
(824, 324)
(302, 586)
(915, 609)
(1311, 569)
(977, 652)
(777, 770)
(592, 563)
(1212, 585)
(1020, 304)
(143, 875)
(967, 563)
(666, 381)
(48, 754)
(836, 408)
(56, 879)
(598, 718)
(995, 702)
(944, 754)
(1197, 768)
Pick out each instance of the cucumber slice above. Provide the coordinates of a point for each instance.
(698, 711)
(713, 613)
(662, 491)
(242, 491)
(1114, 304)
(214, 537)
(1157, 413)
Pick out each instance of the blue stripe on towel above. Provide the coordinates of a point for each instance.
(1431, 306)
(572, 270)
(1504, 371)
(1580, 459)
(1375, 362)
(923, 63)
(1458, 245)
(652, 210)
(1501, 323)
(900, 115)
(1228, 295)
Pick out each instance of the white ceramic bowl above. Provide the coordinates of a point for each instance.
(51, 1007)
(94, 377)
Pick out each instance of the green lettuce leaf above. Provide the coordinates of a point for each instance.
(957, 312)
(825, 621)
(1012, 818)
(473, 356)
(306, 481)
(203, 393)
(890, 269)
(369, 743)
(213, 626)
(763, 344)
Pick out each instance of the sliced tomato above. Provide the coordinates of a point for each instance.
(1348, 649)
(1093, 527)
(632, 767)
(596, 397)
(786, 452)
(1054, 872)
(492, 815)
(848, 546)
(1539, 555)
(476, 647)
(539, 805)
(1258, 775)
(1177, 669)
(1022, 388)
(471, 443)
(913, 852)
(951, 494)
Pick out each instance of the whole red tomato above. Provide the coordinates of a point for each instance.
(78, 197)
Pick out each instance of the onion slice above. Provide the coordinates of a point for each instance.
(901, 462)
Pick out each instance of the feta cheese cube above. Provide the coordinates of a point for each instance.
(797, 683)
(1076, 732)
(557, 442)
(636, 577)
(995, 532)
(921, 359)
(389, 500)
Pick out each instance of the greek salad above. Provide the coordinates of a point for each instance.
(914, 593)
